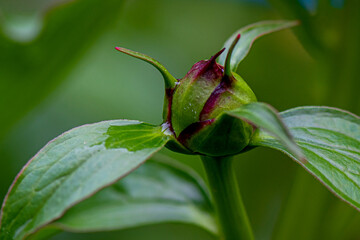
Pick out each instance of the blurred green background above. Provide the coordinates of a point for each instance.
(59, 69)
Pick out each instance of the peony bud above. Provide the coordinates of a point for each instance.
(198, 100)
(194, 105)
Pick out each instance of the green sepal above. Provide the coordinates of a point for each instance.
(170, 81)
(223, 136)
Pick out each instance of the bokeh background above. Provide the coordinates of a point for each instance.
(59, 69)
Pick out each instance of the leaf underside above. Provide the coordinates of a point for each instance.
(157, 192)
(73, 167)
(248, 35)
(330, 140)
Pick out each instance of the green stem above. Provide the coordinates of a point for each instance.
(232, 218)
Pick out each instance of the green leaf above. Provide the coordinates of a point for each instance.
(32, 70)
(170, 81)
(266, 118)
(71, 168)
(157, 192)
(330, 140)
(248, 35)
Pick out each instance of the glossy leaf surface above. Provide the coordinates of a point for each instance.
(265, 117)
(157, 192)
(330, 140)
(248, 35)
(71, 168)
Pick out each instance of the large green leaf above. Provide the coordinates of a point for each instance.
(248, 35)
(31, 70)
(157, 192)
(330, 140)
(72, 167)
(265, 117)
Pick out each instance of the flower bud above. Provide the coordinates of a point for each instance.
(197, 102)
(194, 105)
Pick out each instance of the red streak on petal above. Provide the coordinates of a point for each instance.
(192, 129)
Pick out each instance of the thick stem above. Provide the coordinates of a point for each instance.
(232, 218)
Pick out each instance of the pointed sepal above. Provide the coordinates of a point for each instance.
(170, 81)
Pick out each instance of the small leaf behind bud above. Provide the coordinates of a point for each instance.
(248, 35)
